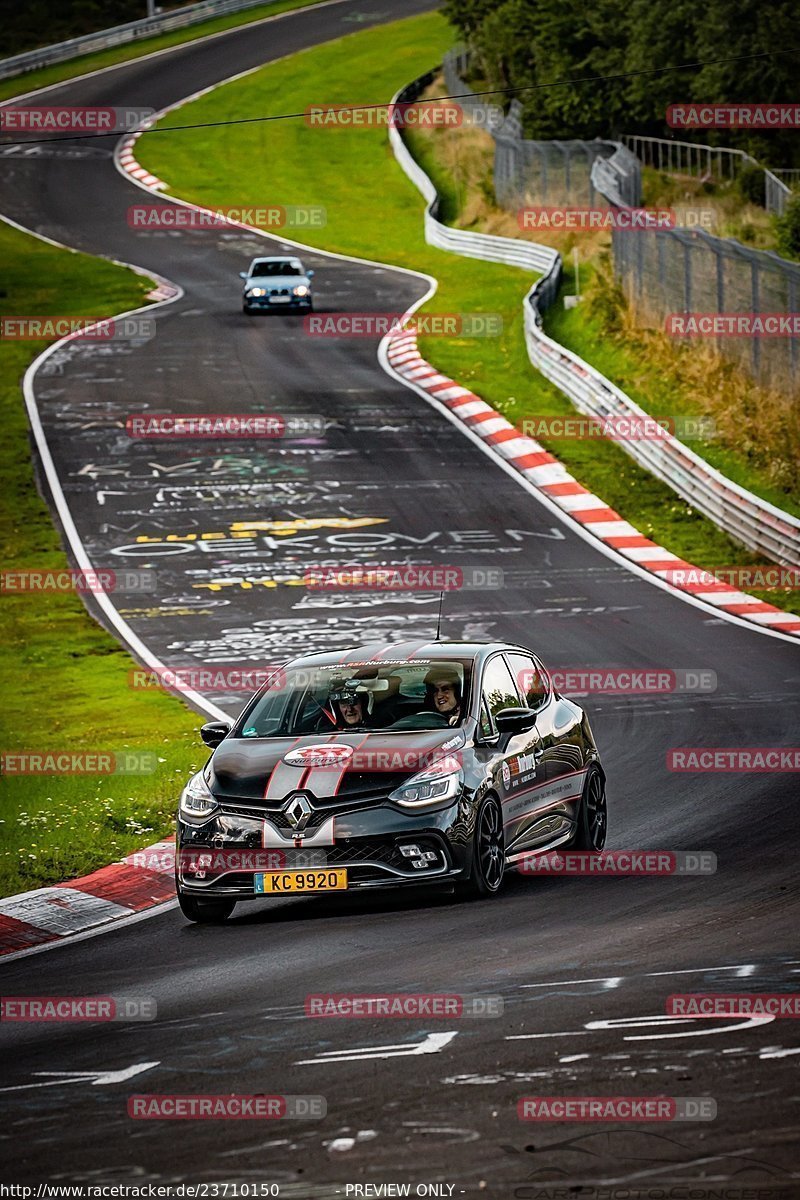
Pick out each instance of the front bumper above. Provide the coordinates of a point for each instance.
(268, 302)
(367, 842)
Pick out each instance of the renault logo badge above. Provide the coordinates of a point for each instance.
(297, 811)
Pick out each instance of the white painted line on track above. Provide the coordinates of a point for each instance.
(433, 1043)
(100, 1078)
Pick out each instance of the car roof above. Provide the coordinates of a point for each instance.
(388, 652)
(287, 258)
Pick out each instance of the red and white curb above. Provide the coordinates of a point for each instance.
(550, 477)
(121, 890)
(128, 163)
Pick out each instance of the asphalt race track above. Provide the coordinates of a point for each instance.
(583, 966)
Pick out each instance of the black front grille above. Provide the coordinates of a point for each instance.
(323, 807)
(282, 823)
(356, 850)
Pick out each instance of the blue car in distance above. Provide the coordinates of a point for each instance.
(276, 283)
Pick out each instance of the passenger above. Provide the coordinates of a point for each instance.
(443, 693)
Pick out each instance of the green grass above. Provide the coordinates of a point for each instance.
(60, 72)
(64, 678)
(655, 387)
(373, 211)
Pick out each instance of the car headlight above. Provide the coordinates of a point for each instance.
(196, 799)
(440, 781)
(256, 291)
(302, 290)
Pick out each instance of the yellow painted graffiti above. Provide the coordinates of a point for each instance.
(296, 524)
(250, 529)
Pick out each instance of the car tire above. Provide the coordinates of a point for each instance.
(590, 834)
(488, 853)
(310, 306)
(247, 310)
(205, 912)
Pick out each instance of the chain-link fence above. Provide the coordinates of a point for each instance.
(528, 172)
(665, 273)
(681, 277)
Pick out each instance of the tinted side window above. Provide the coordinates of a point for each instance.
(532, 679)
(498, 686)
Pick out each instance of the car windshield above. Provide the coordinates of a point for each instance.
(386, 696)
(284, 267)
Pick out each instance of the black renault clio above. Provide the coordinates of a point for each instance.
(389, 766)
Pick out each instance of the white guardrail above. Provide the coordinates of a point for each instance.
(699, 160)
(118, 35)
(750, 520)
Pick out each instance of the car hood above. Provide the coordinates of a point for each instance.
(273, 281)
(342, 765)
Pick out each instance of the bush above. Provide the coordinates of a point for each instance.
(787, 228)
(605, 299)
(752, 185)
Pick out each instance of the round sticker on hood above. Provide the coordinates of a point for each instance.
(330, 755)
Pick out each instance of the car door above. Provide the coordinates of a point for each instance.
(536, 693)
(516, 766)
(558, 722)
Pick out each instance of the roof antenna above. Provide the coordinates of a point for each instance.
(439, 620)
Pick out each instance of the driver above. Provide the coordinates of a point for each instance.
(443, 693)
(349, 705)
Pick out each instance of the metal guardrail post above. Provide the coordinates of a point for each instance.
(755, 307)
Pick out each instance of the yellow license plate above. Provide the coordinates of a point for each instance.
(274, 883)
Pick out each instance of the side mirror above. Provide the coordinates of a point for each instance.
(215, 732)
(310, 274)
(243, 274)
(515, 720)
